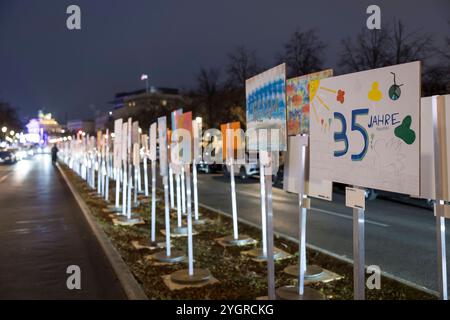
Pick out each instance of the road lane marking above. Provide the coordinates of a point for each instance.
(341, 215)
(4, 177)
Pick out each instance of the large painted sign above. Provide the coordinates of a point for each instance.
(297, 101)
(266, 105)
(367, 129)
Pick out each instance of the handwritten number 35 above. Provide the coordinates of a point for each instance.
(341, 136)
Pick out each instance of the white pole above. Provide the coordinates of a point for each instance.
(233, 201)
(183, 191)
(177, 177)
(125, 190)
(117, 187)
(263, 209)
(145, 177)
(194, 172)
(172, 200)
(136, 182)
(167, 215)
(153, 231)
(130, 183)
(107, 183)
(189, 222)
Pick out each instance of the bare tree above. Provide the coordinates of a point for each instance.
(242, 64)
(9, 117)
(207, 93)
(303, 53)
(388, 46)
(409, 46)
(367, 52)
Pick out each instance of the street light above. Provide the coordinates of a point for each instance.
(145, 77)
(11, 132)
(4, 129)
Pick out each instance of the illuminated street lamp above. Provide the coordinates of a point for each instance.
(12, 132)
(4, 129)
(145, 77)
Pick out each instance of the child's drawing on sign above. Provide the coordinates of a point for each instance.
(374, 128)
(299, 92)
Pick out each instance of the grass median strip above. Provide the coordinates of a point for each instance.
(239, 277)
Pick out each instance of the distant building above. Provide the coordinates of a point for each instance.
(157, 100)
(43, 128)
(87, 126)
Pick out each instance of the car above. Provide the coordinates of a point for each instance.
(205, 167)
(7, 157)
(243, 171)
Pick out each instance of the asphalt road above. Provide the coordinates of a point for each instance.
(42, 232)
(400, 238)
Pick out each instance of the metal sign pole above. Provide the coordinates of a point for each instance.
(263, 210)
(145, 177)
(233, 201)
(124, 189)
(177, 178)
(194, 177)
(189, 222)
(117, 187)
(440, 180)
(153, 227)
(358, 254)
(183, 190)
(269, 221)
(172, 200)
(167, 216)
(130, 183)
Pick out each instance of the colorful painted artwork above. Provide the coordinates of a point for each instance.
(266, 106)
(225, 146)
(365, 131)
(297, 101)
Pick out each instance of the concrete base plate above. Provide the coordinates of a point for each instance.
(241, 241)
(280, 255)
(124, 221)
(179, 231)
(147, 244)
(112, 208)
(312, 271)
(325, 277)
(291, 293)
(258, 254)
(178, 286)
(183, 277)
(175, 256)
(163, 232)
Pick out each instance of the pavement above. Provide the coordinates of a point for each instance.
(42, 232)
(400, 237)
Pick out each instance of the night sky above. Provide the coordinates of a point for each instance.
(43, 65)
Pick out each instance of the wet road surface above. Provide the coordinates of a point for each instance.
(42, 232)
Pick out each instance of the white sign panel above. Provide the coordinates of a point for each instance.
(162, 133)
(427, 183)
(152, 141)
(355, 198)
(292, 167)
(365, 128)
(117, 142)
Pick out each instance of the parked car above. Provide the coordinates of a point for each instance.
(243, 171)
(7, 157)
(202, 166)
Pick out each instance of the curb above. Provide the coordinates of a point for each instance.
(130, 286)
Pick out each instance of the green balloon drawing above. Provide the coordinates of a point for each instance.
(405, 132)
